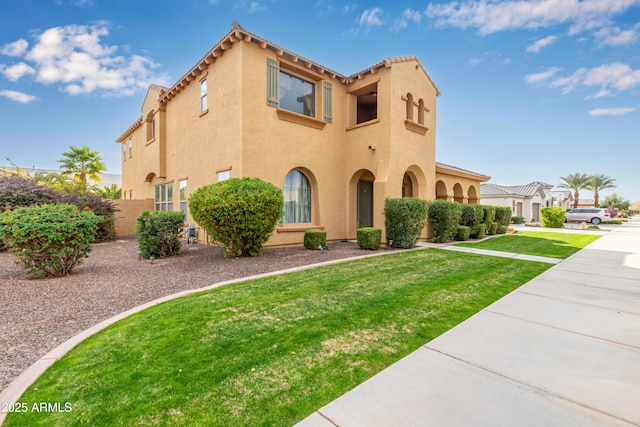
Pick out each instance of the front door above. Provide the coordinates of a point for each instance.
(365, 204)
(536, 212)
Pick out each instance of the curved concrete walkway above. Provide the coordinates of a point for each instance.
(563, 349)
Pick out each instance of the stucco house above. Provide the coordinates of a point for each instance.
(524, 200)
(337, 145)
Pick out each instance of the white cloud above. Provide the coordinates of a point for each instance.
(23, 98)
(614, 36)
(536, 46)
(17, 48)
(610, 78)
(543, 76)
(370, 17)
(612, 111)
(408, 16)
(255, 7)
(490, 16)
(15, 72)
(74, 57)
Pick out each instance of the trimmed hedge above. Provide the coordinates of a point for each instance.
(369, 238)
(517, 219)
(482, 230)
(404, 220)
(503, 218)
(315, 239)
(158, 233)
(239, 213)
(552, 217)
(493, 227)
(462, 233)
(472, 216)
(49, 239)
(444, 217)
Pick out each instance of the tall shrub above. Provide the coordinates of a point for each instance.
(49, 239)
(106, 230)
(158, 233)
(404, 220)
(553, 217)
(472, 216)
(503, 218)
(444, 217)
(240, 213)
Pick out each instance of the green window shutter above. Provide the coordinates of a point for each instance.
(326, 95)
(273, 77)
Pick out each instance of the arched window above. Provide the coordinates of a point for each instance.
(409, 106)
(421, 111)
(297, 198)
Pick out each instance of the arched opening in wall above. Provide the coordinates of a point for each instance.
(298, 195)
(407, 186)
(458, 194)
(473, 195)
(151, 126)
(441, 191)
(149, 177)
(361, 197)
(409, 106)
(421, 111)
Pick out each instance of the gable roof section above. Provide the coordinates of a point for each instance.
(454, 170)
(527, 191)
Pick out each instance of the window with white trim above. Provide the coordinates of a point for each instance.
(183, 197)
(224, 175)
(203, 95)
(164, 197)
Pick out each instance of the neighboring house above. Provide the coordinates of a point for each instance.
(562, 198)
(586, 203)
(337, 145)
(524, 200)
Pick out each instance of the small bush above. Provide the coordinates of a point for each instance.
(472, 216)
(51, 239)
(489, 216)
(613, 221)
(593, 227)
(106, 230)
(503, 216)
(444, 217)
(501, 229)
(369, 238)
(462, 233)
(517, 219)
(482, 228)
(404, 220)
(552, 217)
(240, 213)
(158, 233)
(315, 239)
(492, 229)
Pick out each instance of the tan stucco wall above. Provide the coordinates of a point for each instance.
(458, 188)
(241, 132)
(126, 213)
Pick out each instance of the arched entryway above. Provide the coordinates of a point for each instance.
(472, 195)
(361, 199)
(441, 191)
(458, 194)
(407, 186)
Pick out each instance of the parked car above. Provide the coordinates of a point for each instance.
(592, 215)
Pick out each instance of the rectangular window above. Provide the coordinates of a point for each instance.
(183, 198)
(224, 175)
(203, 95)
(366, 104)
(164, 197)
(297, 95)
(153, 129)
(124, 152)
(130, 148)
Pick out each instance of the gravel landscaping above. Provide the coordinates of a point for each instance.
(38, 315)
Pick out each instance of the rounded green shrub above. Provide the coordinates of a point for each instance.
(462, 233)
(49, 239)
(492, 229)
(482, 228)
(503, 216)
(240, 213)
(517, 219)
(369, 238)
(489, 216)
(444, 217)
(404, 220)
(552, 217)
(472, 216)
(315, 239)
(158, 233)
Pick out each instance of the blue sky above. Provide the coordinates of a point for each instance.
(531, 90)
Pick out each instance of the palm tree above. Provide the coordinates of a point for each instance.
(576, 182)
(83, 164)
(112, 192)
(597, 183)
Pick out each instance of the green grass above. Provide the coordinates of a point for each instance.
(540, 243)
(270, 351)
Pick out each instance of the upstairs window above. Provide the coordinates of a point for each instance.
(124, 152)
(297, 95)
(366, 104)
(203, 95)
(130, 147)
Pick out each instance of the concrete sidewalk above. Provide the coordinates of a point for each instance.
(564, 349)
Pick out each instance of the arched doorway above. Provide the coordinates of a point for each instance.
(472, 195)
(441, 191)
(407, 186)
(458, 194)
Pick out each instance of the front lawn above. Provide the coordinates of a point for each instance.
(269, 351)
(540, 243)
